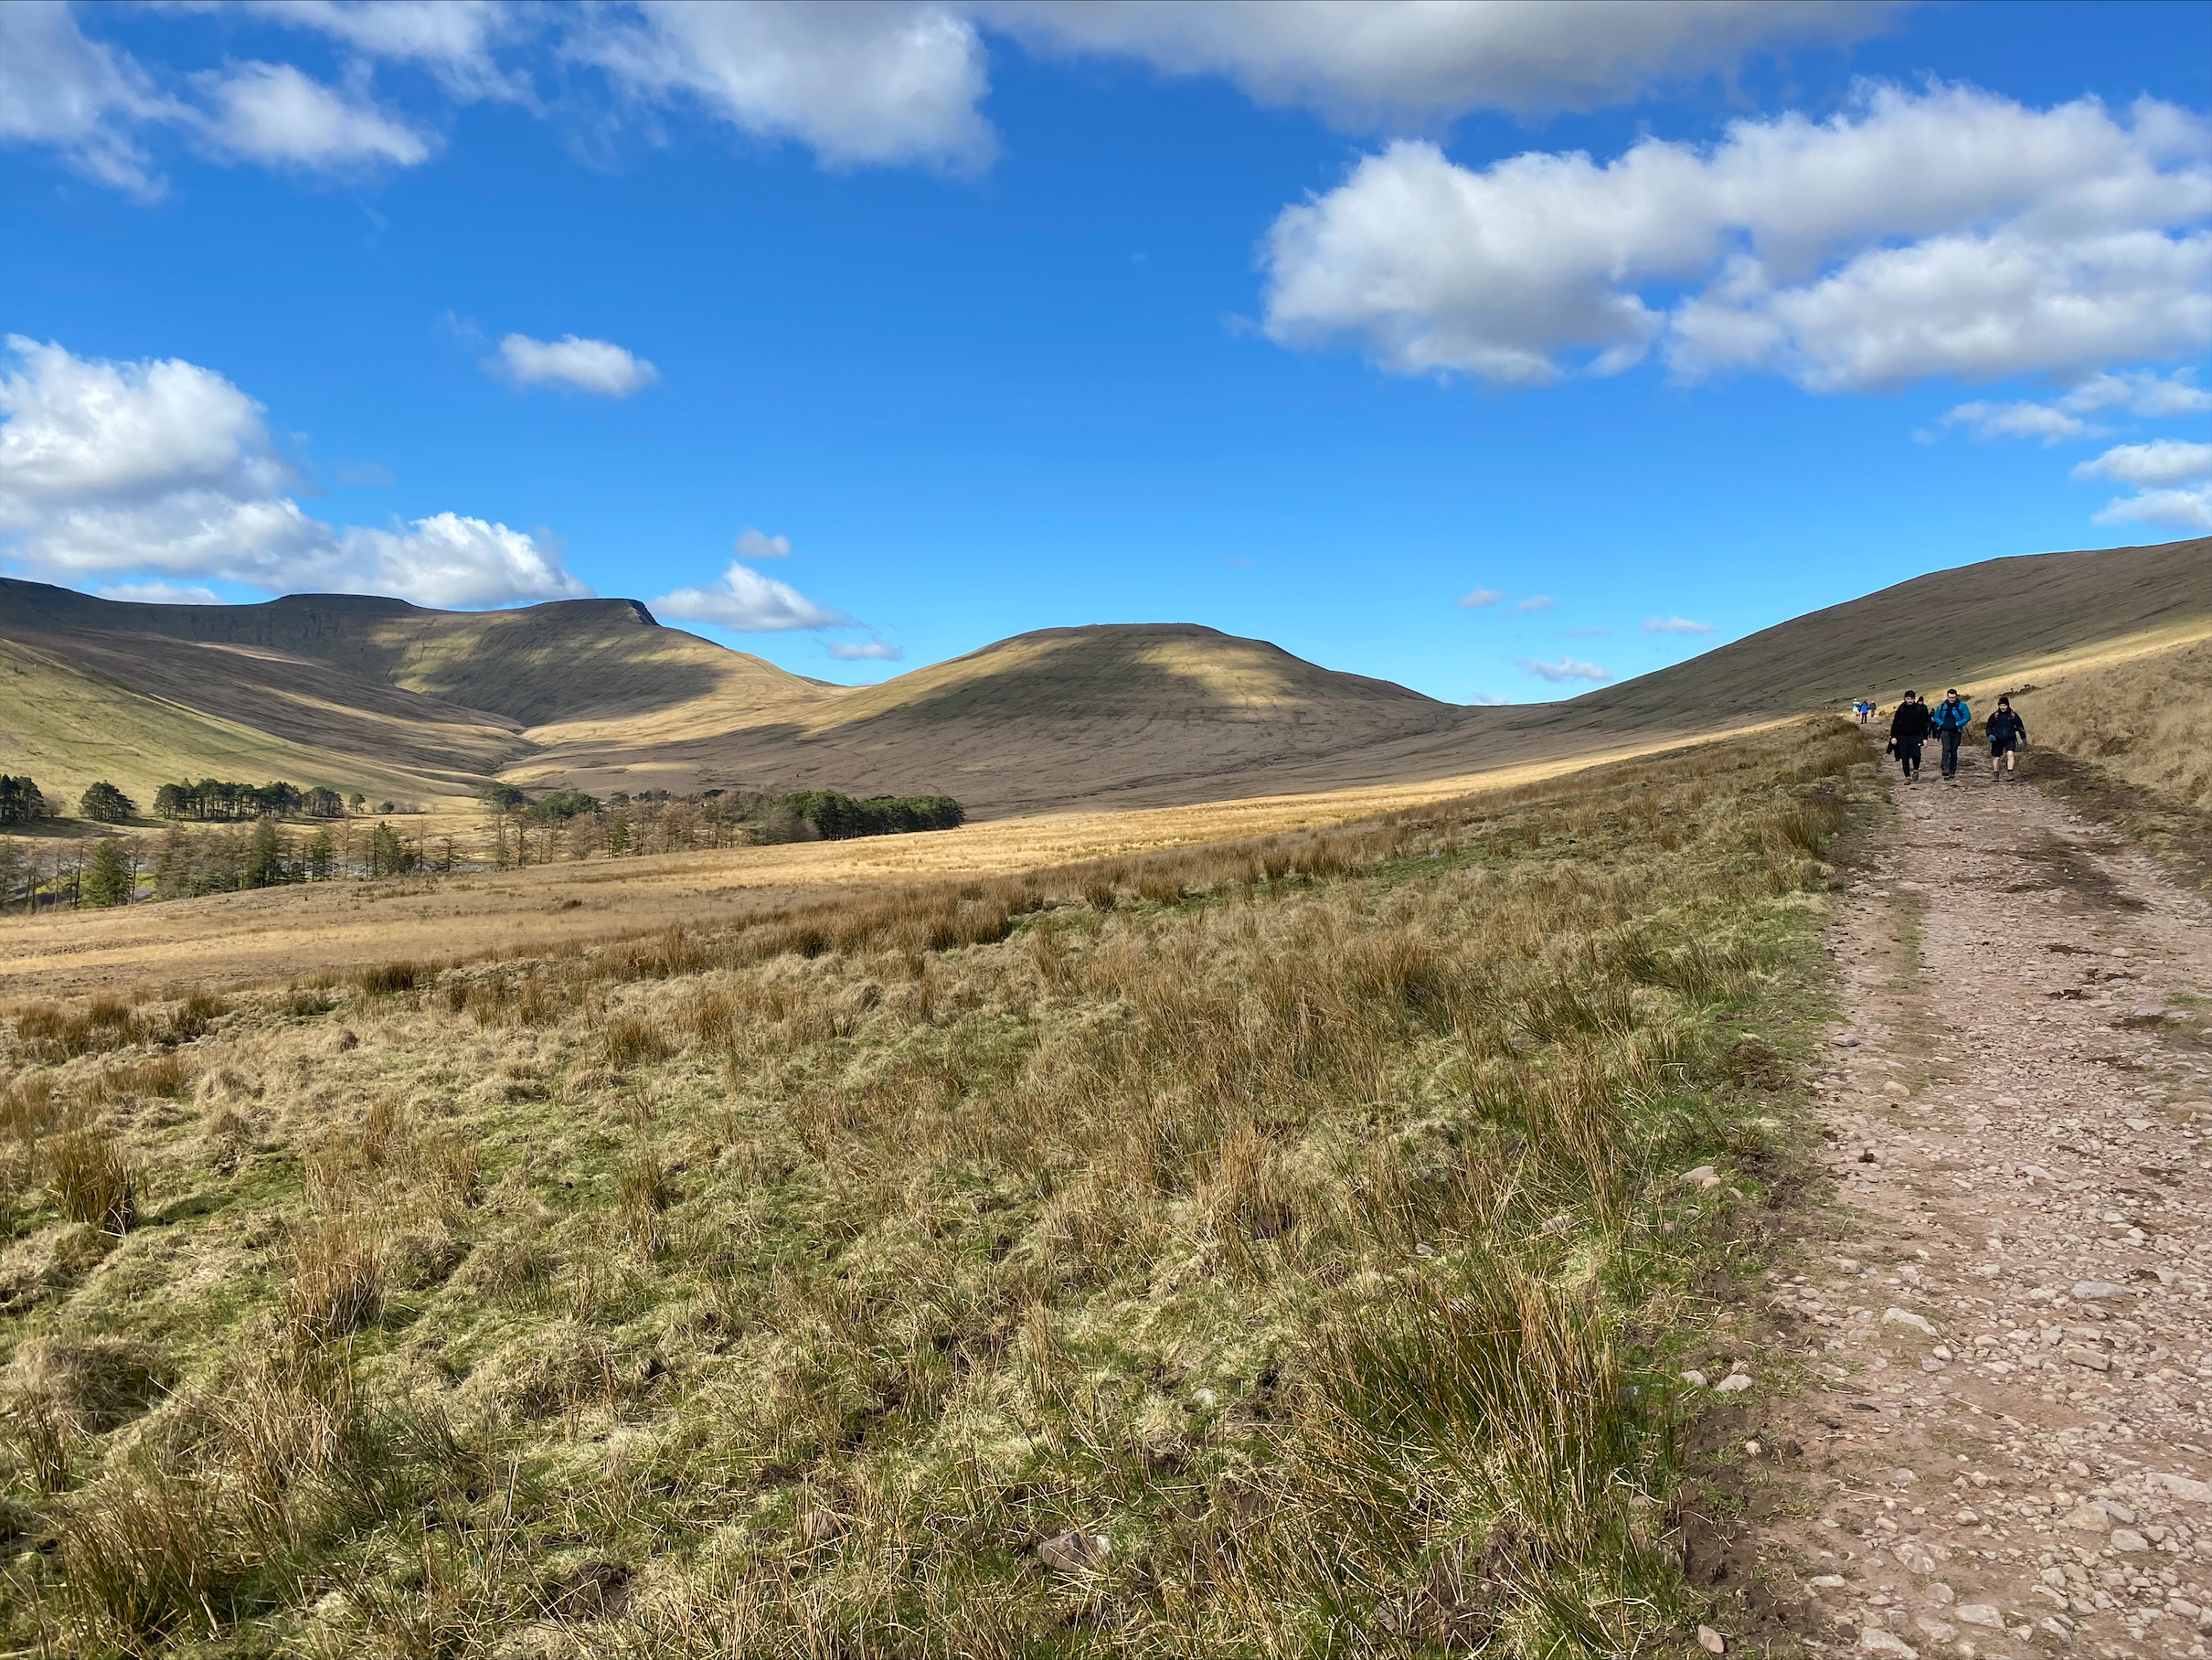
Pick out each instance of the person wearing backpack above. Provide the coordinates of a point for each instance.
(1908, 732)
(2007, 735)
(1951, 719)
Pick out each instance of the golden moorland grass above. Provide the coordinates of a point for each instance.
(1267, 1246)
(343, 925)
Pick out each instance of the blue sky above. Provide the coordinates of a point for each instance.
(1490, 349)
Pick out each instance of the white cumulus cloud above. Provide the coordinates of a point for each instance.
(2180, 509)
(2163, 461)
(272, 112)
(1539, 601)
(1370, 62)
(80, 96)
(162, 472)
(751, 603)
(1477, 598)
(1944, 231)
(451, 39)
(865, 651)
(752, 545)
(876, 81)
(583, 365)
(1565, 668)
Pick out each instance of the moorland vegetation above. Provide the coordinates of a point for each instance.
(1268, 1247)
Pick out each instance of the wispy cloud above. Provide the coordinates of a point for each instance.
(599, 366)
(865, 651)
(1674, 625)
(1542, 602)
(1565, 668)
(1476, 599)
(752, 545)
(1580, 633)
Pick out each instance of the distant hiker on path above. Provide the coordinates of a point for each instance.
(2007, 732)
(1908, 732)
(1952, 718)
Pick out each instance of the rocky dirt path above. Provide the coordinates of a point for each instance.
(2007, 1434)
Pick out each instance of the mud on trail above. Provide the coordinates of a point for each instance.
(2003, 1441)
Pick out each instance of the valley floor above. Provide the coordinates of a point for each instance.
(2006, 1423)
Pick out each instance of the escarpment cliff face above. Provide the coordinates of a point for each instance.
(360, 691)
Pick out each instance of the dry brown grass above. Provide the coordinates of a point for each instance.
(1297, 1214)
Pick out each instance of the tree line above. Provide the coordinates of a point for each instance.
(216, 798)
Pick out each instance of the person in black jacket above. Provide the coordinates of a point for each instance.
(2007, 733)
(1908, 732)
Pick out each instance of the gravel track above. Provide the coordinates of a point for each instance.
(2008, 1338)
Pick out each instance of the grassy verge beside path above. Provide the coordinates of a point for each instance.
(1279, 1247)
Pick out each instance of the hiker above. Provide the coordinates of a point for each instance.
(1907, 732)
(2006, 733)
(1951, 719)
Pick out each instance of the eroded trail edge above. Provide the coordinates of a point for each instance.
(2008, 1337)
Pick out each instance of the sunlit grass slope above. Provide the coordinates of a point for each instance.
(66, 726)
(1268, 1247)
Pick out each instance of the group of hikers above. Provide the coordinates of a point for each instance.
(1913, 723)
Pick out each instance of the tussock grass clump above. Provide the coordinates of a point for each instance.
(1266, 1248)
(389, 979)
(336, 1279)
(194, 1016)
(93, 1179)
(632, 1040)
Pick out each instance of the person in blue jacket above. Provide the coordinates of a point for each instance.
(1950, 719)
(2007, 733)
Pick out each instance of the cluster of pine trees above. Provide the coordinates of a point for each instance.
(20, 801)
(836, 818)
(216, 798)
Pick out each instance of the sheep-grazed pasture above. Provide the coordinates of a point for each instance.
(1262, 1247)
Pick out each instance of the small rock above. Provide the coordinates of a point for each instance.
(2139, 1125)
(1969, 1518)
(1696, 1380)
(2075, 1355)
(2088, 1518)
(2097, 1291)
(1825, 1581)
(1704, 1173)
(2147, 1011)
(1073, 1552)
(1939, 1630)
(1711, 1640)
(2005, 1100)
(2118, 1511)
(1905, 1317)
(1558, 1224)
(1919, 1561)
(2186, 1489)
(1928, 1362)
(2127, 1538)
(1846, 1042)
(1895, 1091)
(2035, 1173)
(2058, 1628)
(1735, 1383)
(1940, 1593)
(1872, 1641)
(1980, 1614)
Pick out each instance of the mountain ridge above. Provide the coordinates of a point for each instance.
(599, 694)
